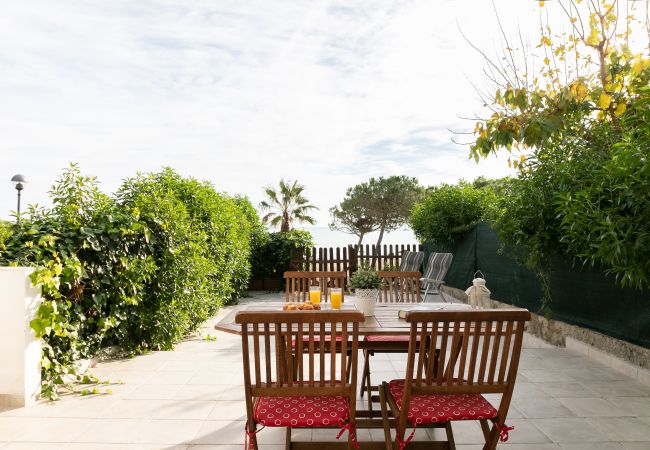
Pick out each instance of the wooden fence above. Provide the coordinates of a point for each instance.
(347, 259)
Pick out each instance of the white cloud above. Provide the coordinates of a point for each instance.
(243, 93)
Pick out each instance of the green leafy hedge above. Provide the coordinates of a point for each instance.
(139, 270)
(448, 212)
(271, 257)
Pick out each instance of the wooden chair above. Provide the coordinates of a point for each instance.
(467, 354)
(434, 275)
(290, 381)
(297, 284)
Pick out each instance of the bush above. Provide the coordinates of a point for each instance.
(271, 259)
(139, 270)
(201, 246)
(449, 211)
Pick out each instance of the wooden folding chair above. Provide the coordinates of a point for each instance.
(467, 354)
(295, 375)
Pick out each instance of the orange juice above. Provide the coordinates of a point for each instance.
(336, 297)
(314, 295)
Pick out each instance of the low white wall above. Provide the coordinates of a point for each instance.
(20, 351)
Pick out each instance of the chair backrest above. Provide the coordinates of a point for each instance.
(297, 284)
(401, 287)
(438, 266)
(411, 261)
(466, 352)
(292, 353)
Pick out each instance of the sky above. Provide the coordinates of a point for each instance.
(243, 93)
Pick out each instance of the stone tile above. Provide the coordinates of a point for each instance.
(528, 390)
(184, 409)
(535, 408)
(51, 429)
(132, 409)
(570, 429)
(30, 446)
(592, 446)
(180, 365)
(107, 431)
(545, 376)
(635, 445)
(199, 392)
(561, 389)
(638, 406)
(232, 432)
(526, 432)
(627, 429)
(171, 377)
(508, 446)
(167, 431)
(593, 407)
(627, 388)
(154, 392)
(228, 410)
(595, 374)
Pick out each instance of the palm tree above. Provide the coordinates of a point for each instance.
(286, 206)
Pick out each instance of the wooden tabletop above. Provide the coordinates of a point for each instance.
(385, 320)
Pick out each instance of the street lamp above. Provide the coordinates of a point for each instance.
(19, 181)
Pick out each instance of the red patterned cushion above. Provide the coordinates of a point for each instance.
(325, 411)
(441, 407)
(388, 338)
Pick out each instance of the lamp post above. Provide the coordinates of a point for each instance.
(19, 181)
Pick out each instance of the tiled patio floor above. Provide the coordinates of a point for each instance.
(191, 398)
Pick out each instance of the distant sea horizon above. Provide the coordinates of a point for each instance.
(324, 237)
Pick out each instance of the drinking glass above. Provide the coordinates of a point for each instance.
(336, 297)
(314, 295)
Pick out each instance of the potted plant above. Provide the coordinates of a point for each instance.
(365, 282)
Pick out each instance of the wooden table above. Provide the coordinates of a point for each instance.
(385, 322)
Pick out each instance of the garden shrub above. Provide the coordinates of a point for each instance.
(272, 258)
(139, 270)
(447, 212)
(200, 243)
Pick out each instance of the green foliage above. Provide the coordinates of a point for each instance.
(382, 204)
(271, 259)
(354, 215)
(605, 220)
(286, 206)
(5, 232)
(365, 278)
(447, 212)
(583, 127)
(138, 271)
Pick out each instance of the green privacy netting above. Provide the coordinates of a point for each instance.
(584, 297)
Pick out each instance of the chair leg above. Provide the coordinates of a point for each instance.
(365, 372)
(485, 428)
(384, 417)
(450, 436)
(368, 384)
(492, 438)
(252, 439)
(287, 444)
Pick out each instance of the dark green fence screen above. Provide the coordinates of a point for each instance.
(584, 297)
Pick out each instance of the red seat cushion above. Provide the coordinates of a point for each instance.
(388, 338)
(441, 407)
(324, 411)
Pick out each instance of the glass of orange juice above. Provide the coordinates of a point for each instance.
(336, 298)
(314, 295)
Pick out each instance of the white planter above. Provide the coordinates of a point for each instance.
(366, 300)
(20, 351)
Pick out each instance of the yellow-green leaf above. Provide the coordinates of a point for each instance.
(620, 109)
(604, 101)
